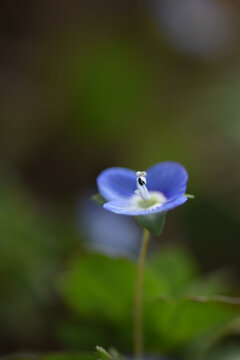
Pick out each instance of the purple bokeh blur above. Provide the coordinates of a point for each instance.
(107, 233)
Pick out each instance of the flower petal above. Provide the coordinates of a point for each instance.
(169, 205)
(116, 183)
(125, 207)
(169, 177)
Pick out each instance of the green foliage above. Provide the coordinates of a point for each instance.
(98, 199)
(111, 354)
(103, 354)
(31, 249)
(54, 356)
(100, 289)
(178, 267)
(100, 354)
(231, 352)
(112, 81)
(87, 332)
(69, 356)
(176, 322)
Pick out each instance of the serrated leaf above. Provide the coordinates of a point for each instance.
(152, 222)
(98, 199)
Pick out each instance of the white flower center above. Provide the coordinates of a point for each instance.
(156, 199)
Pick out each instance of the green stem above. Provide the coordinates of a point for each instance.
(138, 313)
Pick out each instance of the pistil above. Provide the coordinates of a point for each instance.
(142, 190)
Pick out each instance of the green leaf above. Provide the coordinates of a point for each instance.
(98, 199)
(99, 287)
(114, 353)
(179, 321)
(99, 290)
(103, 354)
(178, 267)
(111, 354)
(152, 222)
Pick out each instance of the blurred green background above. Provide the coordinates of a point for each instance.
(90, 85)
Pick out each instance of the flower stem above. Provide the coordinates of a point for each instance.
(138, 312)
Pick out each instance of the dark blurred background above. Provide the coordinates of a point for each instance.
(89, 85)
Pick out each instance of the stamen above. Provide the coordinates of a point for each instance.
(142, 190)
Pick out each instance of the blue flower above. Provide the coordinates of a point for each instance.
(161, 188)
